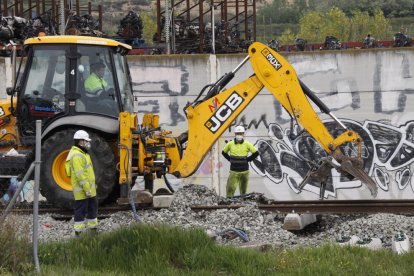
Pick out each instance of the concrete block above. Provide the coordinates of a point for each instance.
(162, 201)
(294, 221)
(370, 243)
(401, 244)
(347, 240)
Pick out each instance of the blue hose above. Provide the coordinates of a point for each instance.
(134, 210)
(241, 233)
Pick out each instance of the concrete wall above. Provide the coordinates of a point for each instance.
(369, 90)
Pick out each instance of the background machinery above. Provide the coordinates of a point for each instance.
(51, 88)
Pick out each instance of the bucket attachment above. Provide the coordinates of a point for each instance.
(349, 165)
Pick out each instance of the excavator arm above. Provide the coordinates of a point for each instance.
(210, 117)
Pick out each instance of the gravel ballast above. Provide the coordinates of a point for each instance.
(261, 227)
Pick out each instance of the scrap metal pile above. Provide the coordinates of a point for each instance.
(332, 43)
(83, 25)
(402, 40)
(12, 28)
(131, 26)
(15, 29)
(227, 38)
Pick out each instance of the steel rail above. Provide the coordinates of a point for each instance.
(328, 206)
(308, 206)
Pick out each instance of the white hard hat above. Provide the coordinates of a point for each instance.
(239, 129)
(81, 135)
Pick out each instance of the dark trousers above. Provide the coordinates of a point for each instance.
(86, 208)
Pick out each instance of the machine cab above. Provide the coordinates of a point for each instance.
(72, 75)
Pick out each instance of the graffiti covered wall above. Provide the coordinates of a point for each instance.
(370, 91)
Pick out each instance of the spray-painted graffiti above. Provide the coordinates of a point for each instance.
(387, 152)
(165, 80)
(394, 147)
(159, 81)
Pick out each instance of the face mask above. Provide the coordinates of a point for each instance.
(87, 145)
(239, 137)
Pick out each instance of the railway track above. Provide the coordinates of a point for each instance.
(330, 206)
(315, 207)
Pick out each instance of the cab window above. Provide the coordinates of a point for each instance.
(95, 82)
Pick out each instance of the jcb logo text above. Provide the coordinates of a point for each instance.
(224, 112)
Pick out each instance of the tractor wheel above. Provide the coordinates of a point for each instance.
(55, 185)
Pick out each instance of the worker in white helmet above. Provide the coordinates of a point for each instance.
(237, 152)
(79, 168)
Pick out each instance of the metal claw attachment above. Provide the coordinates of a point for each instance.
(349, 165)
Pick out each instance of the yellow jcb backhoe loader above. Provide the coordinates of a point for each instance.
(51, 88)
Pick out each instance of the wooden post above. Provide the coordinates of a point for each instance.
(21, 12)
(158, 21)
(37, 7)
(89, 8)
(254, 20)
(188, 10)
(65, 10)
(77, 7)
(201, 25)
(225, 18)
(246, 23)
(30, 9)
(16, 8)
(225, 11)
(100, 17)
(237, 11)
(53, 10)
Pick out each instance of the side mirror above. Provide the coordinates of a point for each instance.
(9, 91)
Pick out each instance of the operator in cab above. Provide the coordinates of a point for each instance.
(95, 84)
(237, 152)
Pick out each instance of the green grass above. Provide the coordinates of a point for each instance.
(15, 250)
(164, 250)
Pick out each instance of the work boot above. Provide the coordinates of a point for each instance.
(93, 230)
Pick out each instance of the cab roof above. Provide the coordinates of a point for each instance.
(73, 39)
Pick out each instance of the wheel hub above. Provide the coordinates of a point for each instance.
(59, 171)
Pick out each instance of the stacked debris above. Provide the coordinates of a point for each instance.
(187, 36)
(402, 40)
(274, 44)
(227, 39)
(131, 26)
(300, 44)
(16, 29)
(43, 23)
(369, 42)
(12, 28)
(83, 25)
(332, 43)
